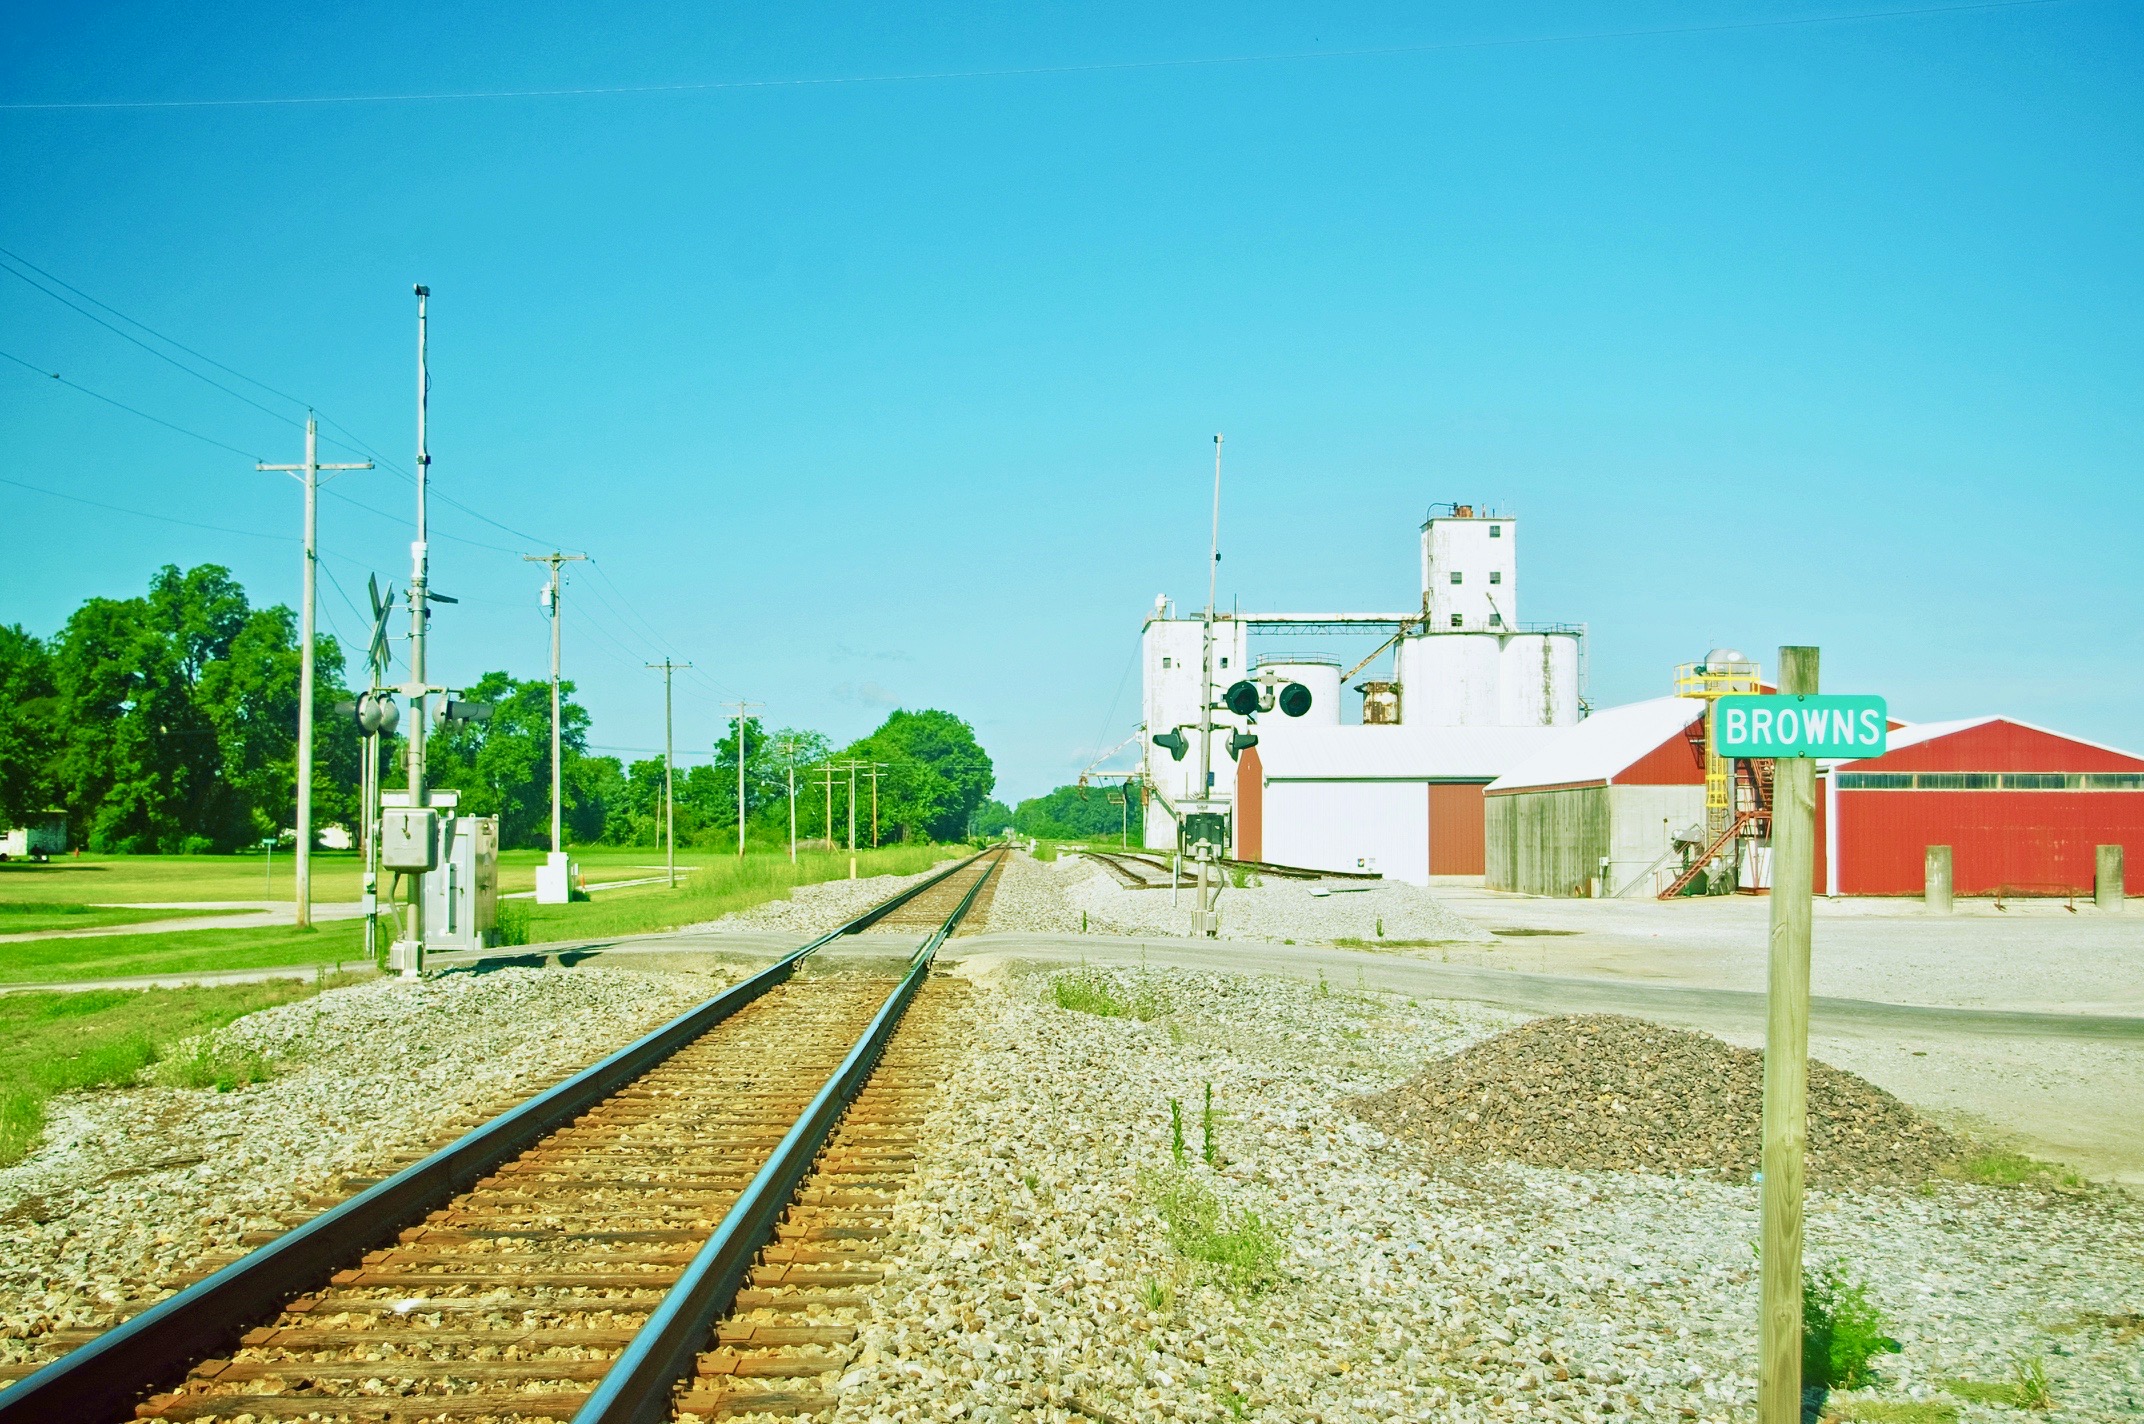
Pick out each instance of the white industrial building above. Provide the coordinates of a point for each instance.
(1472, 692)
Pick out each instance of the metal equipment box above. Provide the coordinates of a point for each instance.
(409, 838)
(461, 897)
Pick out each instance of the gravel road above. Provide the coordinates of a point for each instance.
(1037, 1279)
(137, 1186)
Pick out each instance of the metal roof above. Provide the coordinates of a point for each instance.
(1402, 753)
(1605, 744)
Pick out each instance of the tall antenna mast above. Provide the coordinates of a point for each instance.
(408, 954)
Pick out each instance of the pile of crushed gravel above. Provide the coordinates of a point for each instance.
(1605, 1092)
(1303, 911)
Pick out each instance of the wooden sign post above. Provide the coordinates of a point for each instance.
(1786, 1066)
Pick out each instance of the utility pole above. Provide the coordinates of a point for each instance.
(308, 474)
(789, 758)
(741, 705)
(828, 771)
(550, 598)
(407, 955)
(1786, 1068)
(669, 791)
(852, 816)
(876, 767)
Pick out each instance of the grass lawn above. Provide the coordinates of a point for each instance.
(718, 885)
(121, 879)
(53, 1043)
(35, 918)
(178, 952)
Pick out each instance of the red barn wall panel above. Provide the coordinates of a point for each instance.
(2026, 842)
(1250, 806)
(1458, 841)
(2001, 746)
(1675, 762)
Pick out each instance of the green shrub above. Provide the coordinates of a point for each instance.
(511, 927)
(1842, 1331)
(1239, 1247)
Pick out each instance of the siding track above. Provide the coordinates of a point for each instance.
(569, 1259)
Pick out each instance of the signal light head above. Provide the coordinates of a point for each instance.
(1175, 743)
(1241, 742)
(1241, 698)
(1295, 699)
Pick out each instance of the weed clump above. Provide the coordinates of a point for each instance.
(209, 1064)
(1238, 1246)
(1842, 1331)
(2000, 1168)
(2027, 1387)
(1088, 992)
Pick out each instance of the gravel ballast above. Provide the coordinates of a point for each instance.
(1612, 1093)
(135, 1187)
(810, 910)
(1035, 1276)
(1307, 912)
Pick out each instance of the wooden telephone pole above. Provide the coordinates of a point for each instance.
(309, 475)
(1786, 1067)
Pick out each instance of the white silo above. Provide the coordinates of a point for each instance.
(1317, 672)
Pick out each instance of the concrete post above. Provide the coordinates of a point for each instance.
(1936, 882)
(2107, 879)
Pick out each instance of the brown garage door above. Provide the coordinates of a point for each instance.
(1456, 844)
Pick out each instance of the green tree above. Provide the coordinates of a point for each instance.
(935, 775)
(503, 767)
(989, 817)
(1074, 813)
(29, 724)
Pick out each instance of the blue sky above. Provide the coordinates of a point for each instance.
(903, 390)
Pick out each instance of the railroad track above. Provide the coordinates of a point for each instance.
(1139, 872)
(626, 1244)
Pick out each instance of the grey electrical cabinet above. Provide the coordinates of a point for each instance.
(461, 897)
(409, 838)
(461, 884)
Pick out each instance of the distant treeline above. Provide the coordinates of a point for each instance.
(168, 723)
(1071, 813)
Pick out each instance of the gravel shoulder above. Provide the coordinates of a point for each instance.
(137, 1188)
(812, 910)
(1074, 894)
(1039, 1276)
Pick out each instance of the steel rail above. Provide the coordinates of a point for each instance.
(639, 1388)
(105, 1377)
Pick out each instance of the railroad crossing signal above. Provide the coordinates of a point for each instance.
(1247, 698)
(1175, 743)
(1240, 742)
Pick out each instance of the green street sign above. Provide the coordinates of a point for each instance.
(1807, 725)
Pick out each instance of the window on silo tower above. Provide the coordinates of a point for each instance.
(1459, 620)
(1458, 577)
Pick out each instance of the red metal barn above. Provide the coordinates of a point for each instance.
(2023, 810)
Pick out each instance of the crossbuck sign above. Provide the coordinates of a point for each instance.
(1808, 725)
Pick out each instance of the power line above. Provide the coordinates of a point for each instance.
(145, 514)
(159, 355)
(1035, 71)
(160, 336)
(130, 410)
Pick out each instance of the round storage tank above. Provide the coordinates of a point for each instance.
(1314, 671)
